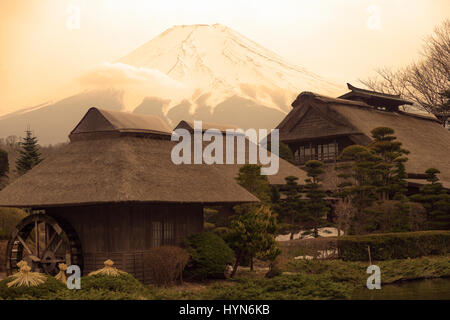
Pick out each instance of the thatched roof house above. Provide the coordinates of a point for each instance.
(320, 127)
(285, 168)
(116, 157)
(115, 188)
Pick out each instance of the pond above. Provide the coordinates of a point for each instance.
(430, 289)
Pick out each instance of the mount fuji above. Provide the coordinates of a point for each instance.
(195, 72)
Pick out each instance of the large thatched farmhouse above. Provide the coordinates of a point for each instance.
(320, 127)
(113, 193)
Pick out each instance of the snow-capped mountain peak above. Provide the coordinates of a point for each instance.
(218, 61)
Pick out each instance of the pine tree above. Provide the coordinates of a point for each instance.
(250, 178)
(361, 173)
(435, 200)
(252, 234)
(29, 154)
(316, 206)
(291, 207)
(4, 163)
(251, 218)
(391, 183)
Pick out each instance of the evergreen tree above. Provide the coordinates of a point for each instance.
(252, 230)
(29, 154)
(391, 183)
(284, 152)
(250, 178)
(252, 234)
(4, 163)
(316, 206)
(361, 173)
(435, 200)
(291, 207)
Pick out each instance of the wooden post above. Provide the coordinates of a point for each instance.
(370, 258)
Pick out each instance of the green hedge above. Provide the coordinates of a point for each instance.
(210, 256)
(43, 291)
(394, 245)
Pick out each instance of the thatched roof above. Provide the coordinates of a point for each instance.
(114, 170)
(374, 98)
(125, 166)
(424, 137)
(189, 125)
(285, 168)
(98, 121)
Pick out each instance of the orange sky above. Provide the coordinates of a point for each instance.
(342, 40)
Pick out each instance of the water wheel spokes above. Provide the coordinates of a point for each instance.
(43, 242)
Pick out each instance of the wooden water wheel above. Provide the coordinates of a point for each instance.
(44, 242)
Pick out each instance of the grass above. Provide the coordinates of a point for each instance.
(301, 280)
(391, 270)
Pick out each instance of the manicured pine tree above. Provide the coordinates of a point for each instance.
(252, 234)
(360, 172)
(316, 206)
(252, 230)
(29, 154)
(391, 183)
(435, 200)
(291, 207)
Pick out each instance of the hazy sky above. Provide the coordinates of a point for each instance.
(42, 50)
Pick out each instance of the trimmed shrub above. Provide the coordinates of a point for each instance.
(51, 287)
(210, 256)
(394, 245)
(124, 283)
(165, 265)
(105, 287)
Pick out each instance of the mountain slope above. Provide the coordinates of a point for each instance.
(52, 123)
(198, 72)
(218, 61)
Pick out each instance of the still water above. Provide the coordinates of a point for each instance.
(432, 289)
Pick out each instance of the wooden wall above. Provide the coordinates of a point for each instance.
(124, 233)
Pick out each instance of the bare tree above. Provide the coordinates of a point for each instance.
(425, 81)
(344, 211)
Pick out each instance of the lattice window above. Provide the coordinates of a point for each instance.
(325, 152)
(156, 234)
(163, 233)
(169, 233)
